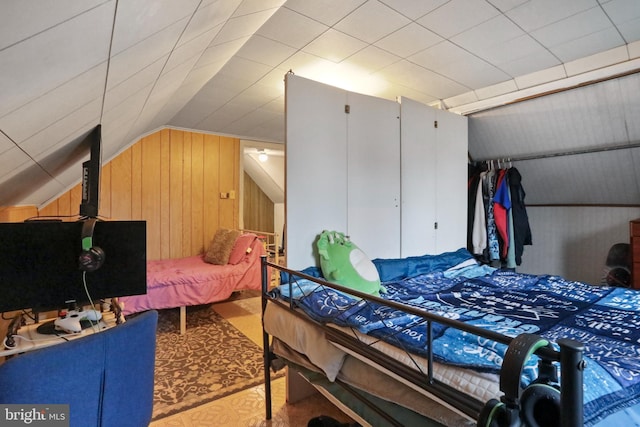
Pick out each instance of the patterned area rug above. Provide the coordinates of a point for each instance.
(212, 360)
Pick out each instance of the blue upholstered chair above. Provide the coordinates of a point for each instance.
(105, 378)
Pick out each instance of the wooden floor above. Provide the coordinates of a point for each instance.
(247, 408)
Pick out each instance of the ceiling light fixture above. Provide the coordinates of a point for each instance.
(262, 156)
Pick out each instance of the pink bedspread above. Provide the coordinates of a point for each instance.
(191, 281)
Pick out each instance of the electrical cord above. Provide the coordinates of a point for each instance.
(94, 326)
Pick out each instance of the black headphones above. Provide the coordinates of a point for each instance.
(538, 405)
(92, 257)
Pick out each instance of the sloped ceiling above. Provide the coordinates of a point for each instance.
(135, 66)
(594, 159)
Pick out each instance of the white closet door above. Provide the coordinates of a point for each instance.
(373, 175)
(451, 178)
(316, 166)
(418, 165)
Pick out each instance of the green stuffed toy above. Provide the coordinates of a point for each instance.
(342, 262)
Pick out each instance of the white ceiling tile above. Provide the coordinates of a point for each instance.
(204, 20)
(247, 7)
(265, 51)
(23, 19)
(520, 55)
(219, 54)
(574, 27)
(488, 35)
(539, 77)
(134, 59)
(64, 130)
(129, 107)
(395, 91)
(408, 40)
(596, 61)
(459, 65)
(146, 77)
(536, 60)
(241, 27)
(326, 11)
(64, 151)
(634, 50)
(245, 70)
(423, 80)
(291, 28)
(254, 98)
(11, 160)
(334, 46)
(190, 51)
(64, 51)
(440, 56)
(622, 11)
(505, 5)
(463, 99)
(588, 45)
(372, 58)
(630, 30)
(414, 9)
(5, 143)
(44, 188)
(496, 90)
(171, 80)
(301, 61)
(44, 111)
(371, 22)
(536, 14)
(457, 16)
(273, 83)
(137, 20)
(27, 185)
(276, 105)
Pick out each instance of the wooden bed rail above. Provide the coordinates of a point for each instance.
(570, 356)
(270, 243)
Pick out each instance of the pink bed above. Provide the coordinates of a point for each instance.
(181, 282)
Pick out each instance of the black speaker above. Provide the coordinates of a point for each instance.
(538, 405)
(92, 257)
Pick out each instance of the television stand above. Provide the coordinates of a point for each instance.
(33, 336)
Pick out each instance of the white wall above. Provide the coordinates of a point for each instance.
(574, 241)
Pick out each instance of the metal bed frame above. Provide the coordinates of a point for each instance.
(570, 356)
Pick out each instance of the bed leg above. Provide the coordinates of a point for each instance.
(572, 366)
(266, 350)
(183, 320)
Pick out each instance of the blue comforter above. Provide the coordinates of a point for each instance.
(606, 320)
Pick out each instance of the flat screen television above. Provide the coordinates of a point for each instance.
(91, 174)
(39, 263)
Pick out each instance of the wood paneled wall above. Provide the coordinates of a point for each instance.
(258, 208)
(184, 184)
(17, 213)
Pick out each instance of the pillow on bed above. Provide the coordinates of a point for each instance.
(344, 263)
(221, 245)
(241, 247)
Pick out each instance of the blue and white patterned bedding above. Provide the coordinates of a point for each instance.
(606, 320)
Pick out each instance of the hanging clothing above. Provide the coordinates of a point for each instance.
(511, 251)
(479, 229)
(492, 232)
(501, 207)
(521, 228)
(498, 224)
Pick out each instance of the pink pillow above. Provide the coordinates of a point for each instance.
(241, 247)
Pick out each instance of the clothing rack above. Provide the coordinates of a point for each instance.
(510, 160)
